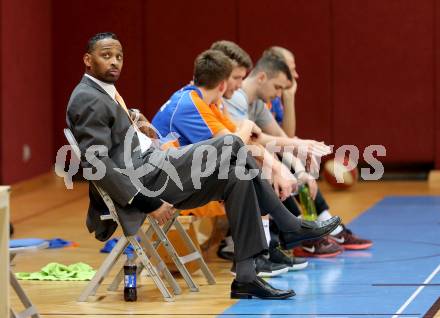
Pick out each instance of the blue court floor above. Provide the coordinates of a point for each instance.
(398, 277)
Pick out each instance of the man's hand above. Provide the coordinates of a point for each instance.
(163, 213)
(284, 183)
(250, 125)
(256, 131)
(316, 148)
(143, 124)
(305, 178)
(290, 91)
(248, 130)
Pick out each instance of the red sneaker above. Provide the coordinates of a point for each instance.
(349, 241)
(321, 248)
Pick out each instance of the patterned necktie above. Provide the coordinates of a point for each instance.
(145, 125)
(121, 103)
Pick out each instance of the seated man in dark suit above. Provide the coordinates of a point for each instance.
(140, 178)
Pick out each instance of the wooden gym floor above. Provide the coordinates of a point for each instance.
(43, 208)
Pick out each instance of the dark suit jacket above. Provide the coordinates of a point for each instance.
(96, 119)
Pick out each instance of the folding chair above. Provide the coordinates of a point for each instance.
(27, 246)
(140, 248)
(179, 261)
(194, 253)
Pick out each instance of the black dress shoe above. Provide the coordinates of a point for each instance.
(258, 288)
(309, 231)
(265, 283)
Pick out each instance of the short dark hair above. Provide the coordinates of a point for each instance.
(276, 51)
(210, 68)
(279, 51)
(234, 52)
(98, 37)
(272, 64)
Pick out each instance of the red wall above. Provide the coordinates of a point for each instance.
(175, 33)
(436, 85)
(74, 23)
(26, 88)
(368, 70)
(384, 76)
(304, 27)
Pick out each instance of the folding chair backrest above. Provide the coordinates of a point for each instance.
(73, 143)
(105, 197)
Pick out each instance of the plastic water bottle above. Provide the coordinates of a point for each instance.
(308, 209)
(130, 292)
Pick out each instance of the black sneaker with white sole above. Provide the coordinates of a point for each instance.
(265, 268)
(225, 251)
(277, 255)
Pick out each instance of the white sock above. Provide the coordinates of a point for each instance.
(266, 230)
(324, 216)
(229, 245)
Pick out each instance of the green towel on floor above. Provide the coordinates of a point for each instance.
(60, 272)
